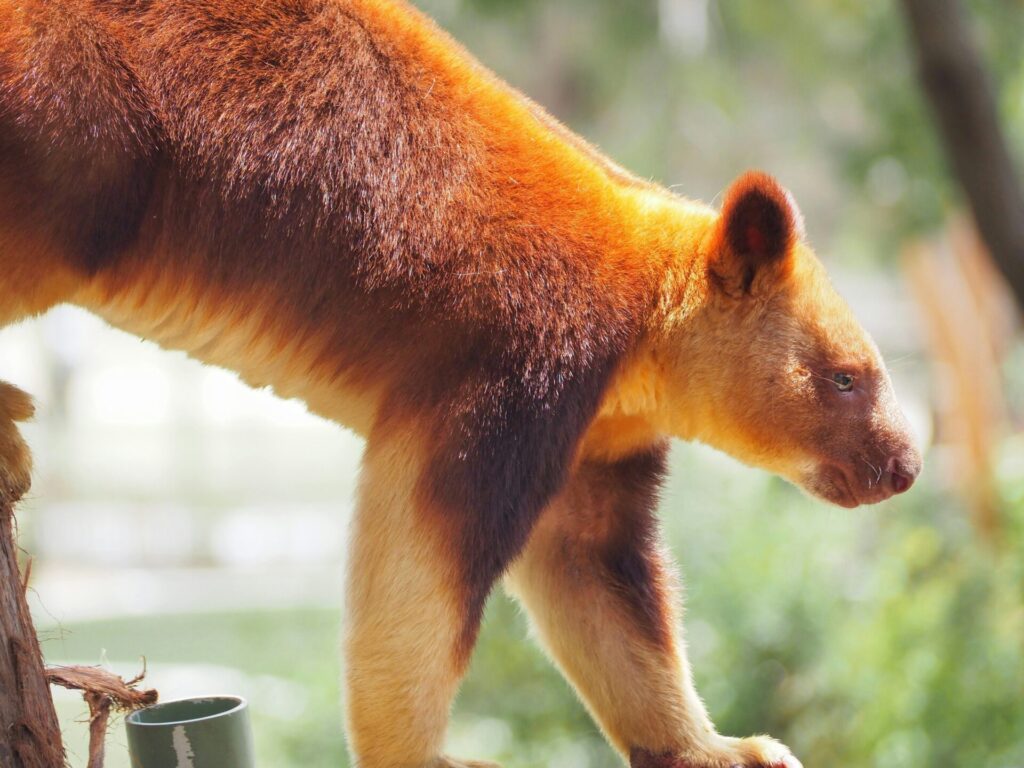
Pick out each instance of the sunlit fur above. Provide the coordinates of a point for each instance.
(16, 469)
(754, 366)
(332, 198)
(758, 384)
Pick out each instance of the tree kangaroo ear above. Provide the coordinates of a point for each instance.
(758, 225)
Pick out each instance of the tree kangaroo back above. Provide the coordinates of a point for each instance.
(332, 198)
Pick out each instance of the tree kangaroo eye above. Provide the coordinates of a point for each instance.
(843, 381)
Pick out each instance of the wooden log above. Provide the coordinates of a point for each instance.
(29, 731)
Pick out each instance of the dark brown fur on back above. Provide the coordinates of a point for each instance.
(291, 149)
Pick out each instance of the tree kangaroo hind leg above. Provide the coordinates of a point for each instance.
(599, 593)
(415, 594)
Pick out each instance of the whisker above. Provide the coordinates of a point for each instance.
(876, 470)
(901, 360)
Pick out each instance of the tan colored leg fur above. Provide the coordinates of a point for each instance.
(403, 620)
(637, 685)
(15, 459)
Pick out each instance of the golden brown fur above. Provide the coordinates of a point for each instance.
(334, 199)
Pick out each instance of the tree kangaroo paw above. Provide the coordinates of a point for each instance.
(15, 458)
(753, 752)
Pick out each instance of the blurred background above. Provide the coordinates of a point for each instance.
(180, 516)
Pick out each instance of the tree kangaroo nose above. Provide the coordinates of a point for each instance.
(901, 474)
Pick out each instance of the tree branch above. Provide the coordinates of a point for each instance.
(102, 691)
(953, 77)
(29, 732)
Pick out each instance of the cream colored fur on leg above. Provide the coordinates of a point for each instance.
(403, 619)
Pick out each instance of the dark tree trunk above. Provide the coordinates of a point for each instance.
(29, 732)
(954, 79)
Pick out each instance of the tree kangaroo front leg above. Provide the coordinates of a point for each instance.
(413, 609)
(599, 592)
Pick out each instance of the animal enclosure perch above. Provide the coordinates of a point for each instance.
(29, 732)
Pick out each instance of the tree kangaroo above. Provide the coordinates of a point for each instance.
(334, 199)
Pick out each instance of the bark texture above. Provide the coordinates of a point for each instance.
(103, 691)
(29, 732)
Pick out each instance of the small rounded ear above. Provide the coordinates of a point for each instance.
(758, 225)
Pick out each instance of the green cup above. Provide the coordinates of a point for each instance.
(209, 732)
